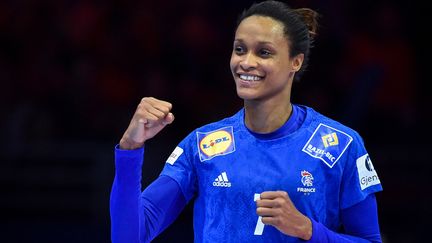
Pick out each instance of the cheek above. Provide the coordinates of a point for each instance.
(232, 65)
(233, 62)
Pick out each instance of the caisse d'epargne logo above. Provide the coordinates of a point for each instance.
(327, 144)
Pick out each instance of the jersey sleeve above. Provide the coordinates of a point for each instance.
(360, 223)
(136, 216)
(180, 166)
(359, 177)
(125, 194)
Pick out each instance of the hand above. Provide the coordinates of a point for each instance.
(151, 116)
(277, 209)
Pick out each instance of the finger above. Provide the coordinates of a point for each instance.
(164, 103)
(266, 212)
(146, 118)
(147, 113)
(157, 121)
(159, 114)
(269, 195)
(268, 203)
(161, 105)
(274, 194)
(270, 220)
(169, 118)
(152, 109)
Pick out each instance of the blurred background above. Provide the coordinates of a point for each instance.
(72, 73)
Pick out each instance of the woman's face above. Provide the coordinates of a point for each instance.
(260, 61)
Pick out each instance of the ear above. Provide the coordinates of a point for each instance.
(297, 61)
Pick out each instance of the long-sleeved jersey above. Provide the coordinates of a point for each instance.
(322, 165)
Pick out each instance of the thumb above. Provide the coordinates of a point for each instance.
(168, 118)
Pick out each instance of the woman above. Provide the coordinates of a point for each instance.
(273, 172)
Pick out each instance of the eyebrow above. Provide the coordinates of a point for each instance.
(259, 42)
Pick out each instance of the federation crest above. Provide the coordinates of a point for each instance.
(307, 178)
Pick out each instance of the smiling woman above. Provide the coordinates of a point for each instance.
(273, 172)
(263, 69)
(260, 62)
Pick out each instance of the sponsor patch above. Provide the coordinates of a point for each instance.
(174, 155)
(215, 143)
(327, 144)
(367, 174)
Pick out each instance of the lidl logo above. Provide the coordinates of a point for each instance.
(215, 143)
(327, 144)
(330, 139)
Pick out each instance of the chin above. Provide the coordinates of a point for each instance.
(243, 94)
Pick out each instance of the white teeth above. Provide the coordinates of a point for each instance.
(249, 77)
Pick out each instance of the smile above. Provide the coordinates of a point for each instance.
(249, 77)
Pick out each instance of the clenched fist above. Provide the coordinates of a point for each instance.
(277, 209)
(150, 117)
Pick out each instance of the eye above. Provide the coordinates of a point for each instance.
(239, 49)
(265, 53)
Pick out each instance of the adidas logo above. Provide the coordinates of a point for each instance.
(222, 180)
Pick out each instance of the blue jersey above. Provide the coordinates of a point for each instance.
(323, 166)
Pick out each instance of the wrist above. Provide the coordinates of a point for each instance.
(127, 144)
(306, 230)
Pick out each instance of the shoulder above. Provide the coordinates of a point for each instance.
(213, 139)
(232, 121)
(319, 120)
(330, 140)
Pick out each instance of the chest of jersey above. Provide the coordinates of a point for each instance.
(229, 184)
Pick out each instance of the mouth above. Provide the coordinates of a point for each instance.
(249, 77)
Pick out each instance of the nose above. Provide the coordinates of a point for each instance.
(248, 62)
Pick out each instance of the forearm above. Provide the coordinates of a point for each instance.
(125, 200)
(136, 216)
(360, 224)
(321, 234)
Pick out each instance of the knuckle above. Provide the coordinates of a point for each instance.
(260, 210)
(279, 211)
(141, 109)
(266, 220)
(280, 201)
(164, 109)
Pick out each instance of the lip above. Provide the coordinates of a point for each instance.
(249, 74)
(247, 83)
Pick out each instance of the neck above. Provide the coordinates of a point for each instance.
(266, 117)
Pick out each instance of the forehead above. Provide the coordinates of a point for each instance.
(260, 28)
